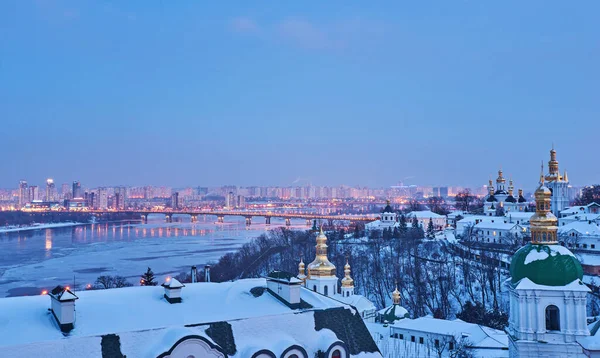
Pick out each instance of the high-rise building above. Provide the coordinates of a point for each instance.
(34, 193)
(120, 197)
(241, 201)
(90, 199)
(77, 194)
(175, 200)
(230, 200)
(102, 198)
(23, 193)
(50, 190)
(65, 191)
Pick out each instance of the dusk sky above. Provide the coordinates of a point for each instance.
(262, 93)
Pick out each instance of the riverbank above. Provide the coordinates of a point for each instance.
(38, 227)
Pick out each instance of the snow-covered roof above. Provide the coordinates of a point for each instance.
(495, 225)
(173, 283)
(478, 336)
(519, 215)
(360, 302)
(63, 294)
(527, 284)
(582, 227)
(573, 210)
(135, 314)
(424, 214)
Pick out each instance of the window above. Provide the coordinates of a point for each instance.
(451, 346)
(336, 354)
(552, 318)
(325, 290)
(420, 340)
(585, 246)
(315, 288)
(293, 356)
(347, 294)
(437, 343)
(412, 338)
(593, 246)
(401, 336)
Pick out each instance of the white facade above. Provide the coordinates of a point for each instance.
(535, 332)
(326, 286)
(423, 217)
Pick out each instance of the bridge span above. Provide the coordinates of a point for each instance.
(247, 214)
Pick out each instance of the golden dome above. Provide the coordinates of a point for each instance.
(500, 177)
(347, 281)
(301, 270)
(396, 295)
(543, 224)
(321, 267)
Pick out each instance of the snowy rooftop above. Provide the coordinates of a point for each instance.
(479, 336)
(527, 284)
(136, 312)
(582, 227)
(495, 225)
(424, 214)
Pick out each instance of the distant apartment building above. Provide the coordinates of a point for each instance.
(230, 200)
(175, 200)
(102, 199)
(50, 190)
(34, 193)
(23, 193)
(120, 197)
(65, 191)
(77, 194)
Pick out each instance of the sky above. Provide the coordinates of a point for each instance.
(271, 93)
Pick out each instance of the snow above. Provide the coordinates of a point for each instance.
(173, 283)
(142, 308)
(38, 227)
(534, 255)
(424, 214)
(495, 225)
(586, 228)
(527, 284)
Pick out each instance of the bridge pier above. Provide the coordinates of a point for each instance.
(220, 219)
(194, 218)
(248, 220)
(169, 218)
(267, 220)
(144, 218)
(288, 222)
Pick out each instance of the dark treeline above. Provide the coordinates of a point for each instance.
(21, 218)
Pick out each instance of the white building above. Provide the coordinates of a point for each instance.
(547, 297)
(388, 220)
(498, 232)
(424, 216)
(445, 337)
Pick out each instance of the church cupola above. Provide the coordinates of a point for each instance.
(394, 312)
(521, 197)
(500, 182)
(553, 173)
(396, 295)
(547, 295)
(172, 288)
(301, 271)
(347, 282)
(321, 272)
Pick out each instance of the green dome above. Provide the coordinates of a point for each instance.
(548, 265)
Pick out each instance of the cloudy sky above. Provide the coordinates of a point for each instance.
(263, 93)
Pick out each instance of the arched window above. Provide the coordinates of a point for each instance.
(336, 354)
(315, 288)
(293, 356)
(347, 294)
(552, 318)
(325, 290)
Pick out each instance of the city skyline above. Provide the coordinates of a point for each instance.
(338, 93)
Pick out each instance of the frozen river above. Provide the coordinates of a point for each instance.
(31, 261)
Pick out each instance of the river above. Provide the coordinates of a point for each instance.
(36, 260)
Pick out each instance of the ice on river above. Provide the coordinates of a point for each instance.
(41, 259)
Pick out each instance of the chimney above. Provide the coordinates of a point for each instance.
(207, 273)
(285, 287)
(173, 290)
(193, 274)
(63, 307)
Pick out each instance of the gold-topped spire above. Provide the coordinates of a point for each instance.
(500, 178)
(491, 187)
(321, 267)
(553, 172)
(510, 187)
(565, 177)
(396, 295)
(347, 281)
(543, 224)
